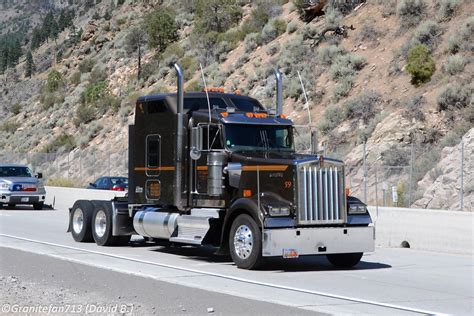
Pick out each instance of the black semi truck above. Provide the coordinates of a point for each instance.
(212, 168)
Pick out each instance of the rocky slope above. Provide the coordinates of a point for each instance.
(359, 88)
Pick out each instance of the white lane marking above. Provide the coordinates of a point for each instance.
(222, 276)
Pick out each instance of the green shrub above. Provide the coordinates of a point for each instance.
(292, 27)
(49, 99)
(410, 12)
(368, 32)
(363, 107)
(273, 49)
(328, 54)
(396, 156)
(84, 114)
(55, 80)
(414, 108)
(252, 41)
(190, 66)
(427, 34)
(332, 17)
(61, 182)
(98, 74)
(75, 78)
(346, 66)
(342, 88)
(63, 142)
(464, 40)
(454, 65)
(193, 86)
(332, 117)
(447, 8)
(150, 68)
(94, 91)
(9, 127)
(420, 65)
(16, 108)
(272, 30)
(454, 96)
(86, 65)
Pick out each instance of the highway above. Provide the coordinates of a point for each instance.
(391, 281)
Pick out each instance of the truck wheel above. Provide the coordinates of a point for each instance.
(11, 205)
(345, 260)
(102, 226)
(80, 221)
(38, 206)
(245, 243)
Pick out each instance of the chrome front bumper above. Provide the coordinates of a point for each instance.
(317, 240)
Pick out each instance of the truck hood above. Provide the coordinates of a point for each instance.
(287, 158)
(25, 180)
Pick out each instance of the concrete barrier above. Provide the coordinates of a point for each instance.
(64, 198)
(432, 230)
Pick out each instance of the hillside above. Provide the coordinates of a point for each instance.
(71, 115)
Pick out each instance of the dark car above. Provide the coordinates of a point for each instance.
(110, 183)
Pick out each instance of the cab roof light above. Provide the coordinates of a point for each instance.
(261, 115)
(213, 89)
(249, 114)
(283, 116)
(225, 114)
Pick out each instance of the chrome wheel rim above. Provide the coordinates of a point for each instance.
(78, 221)
(243, 242)
(100, 223)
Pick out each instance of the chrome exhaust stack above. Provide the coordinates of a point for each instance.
(279, 93)
(178, 174)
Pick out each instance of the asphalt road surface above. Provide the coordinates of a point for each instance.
(388, 282)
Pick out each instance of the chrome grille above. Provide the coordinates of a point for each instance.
(321, 197)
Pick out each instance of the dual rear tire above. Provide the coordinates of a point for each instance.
(92, 221)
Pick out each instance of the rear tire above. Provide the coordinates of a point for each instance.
(102, 226)
(345, 260)
(38, 206)
(11, 205)
(245, 243)
(80, 221)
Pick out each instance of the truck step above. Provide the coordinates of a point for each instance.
(192, 229)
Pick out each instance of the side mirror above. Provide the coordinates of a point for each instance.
(39, 175)
(196, 143)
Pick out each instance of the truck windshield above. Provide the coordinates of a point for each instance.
(241, 137)
(15, 172)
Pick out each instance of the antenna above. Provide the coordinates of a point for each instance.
(207, 93)
(305, 96)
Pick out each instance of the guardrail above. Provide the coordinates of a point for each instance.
(432, 230)
(63, 198)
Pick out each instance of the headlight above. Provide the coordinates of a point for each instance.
(4, 186)
(278, 211)
(357, 209)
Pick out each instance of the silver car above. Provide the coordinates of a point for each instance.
(18, 185)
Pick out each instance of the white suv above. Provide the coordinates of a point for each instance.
(18, 185)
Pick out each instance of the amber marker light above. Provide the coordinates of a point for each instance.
(247, 193)
(348, 191)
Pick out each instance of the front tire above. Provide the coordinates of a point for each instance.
(245, 243)
(102, 226)
(11, 205)
(345, 260)
(38, 206)
(80, 221)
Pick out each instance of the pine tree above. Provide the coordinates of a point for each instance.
(54, 30)
(134, 42)
(30, 66)
(161, 28)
